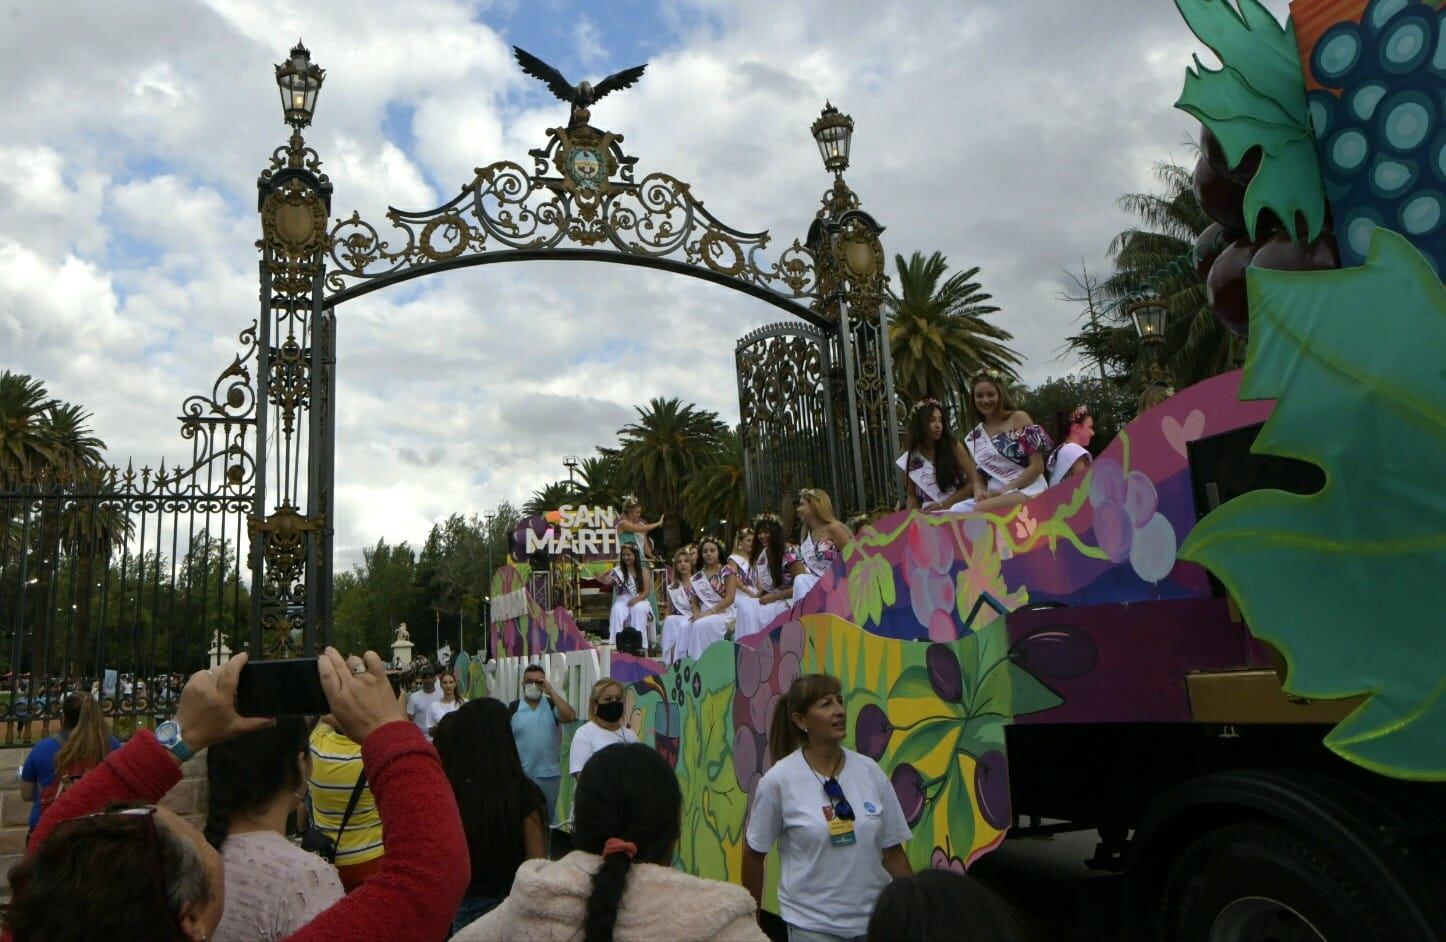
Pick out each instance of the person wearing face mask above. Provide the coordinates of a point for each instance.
(273, 887)
(537, 719)
(604, 726)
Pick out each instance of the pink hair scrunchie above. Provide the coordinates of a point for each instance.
(615, 845)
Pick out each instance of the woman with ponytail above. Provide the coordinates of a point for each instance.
(55, 763)
(273, 887)
(619, 883)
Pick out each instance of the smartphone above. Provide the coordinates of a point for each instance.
(289, 687)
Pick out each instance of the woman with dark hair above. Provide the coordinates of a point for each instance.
(632, 583)
(502, 809)
(716, 612)
(256, 783)
(1007, 447)
(941, 906)
(938, 472)
(57, 762)
(1071, 457)
(619, 883)
(98, 871)
(836, 820)
(771, 579)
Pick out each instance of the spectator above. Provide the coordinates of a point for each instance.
(447, 703)
(604, 726)
(81, 745)
(538, 732)
(620, 882)
(501, 807)
(336, 769)
(940, 906)
(833, 814)
(421, 700)
(144, 873)
(273, 887)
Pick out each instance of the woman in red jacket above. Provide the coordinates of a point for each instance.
(101, 872)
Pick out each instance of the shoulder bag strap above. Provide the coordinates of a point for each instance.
(361, 782)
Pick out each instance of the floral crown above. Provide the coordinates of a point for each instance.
(629, 500)
(1079, 413)
(926, 402)
(993, 375)
(768, 516)
(710, 538)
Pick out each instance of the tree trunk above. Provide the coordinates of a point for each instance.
(43, 619)
(79, 651)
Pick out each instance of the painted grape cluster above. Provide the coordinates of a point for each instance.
(1378, 126)
(765, 672)
(1126, 524)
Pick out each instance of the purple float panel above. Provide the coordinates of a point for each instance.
(1127, 663)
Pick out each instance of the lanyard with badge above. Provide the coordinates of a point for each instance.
(838, 812)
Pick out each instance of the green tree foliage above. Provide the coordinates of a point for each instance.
(718, 491)
(1111, 404)
(379, 593)
(938, 335)
(668, 444)
(550, 497)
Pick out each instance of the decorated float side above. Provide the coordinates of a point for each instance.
(1222, 647)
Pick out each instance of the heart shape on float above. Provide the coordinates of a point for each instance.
(1025, 525)
(1178, 433)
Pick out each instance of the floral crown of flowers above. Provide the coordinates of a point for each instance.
(1079, 413)
(993, 375)
(926, 402)
(710, 538)
(768, 516)
(630, 499)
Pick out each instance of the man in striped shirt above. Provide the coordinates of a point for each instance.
(336, 764)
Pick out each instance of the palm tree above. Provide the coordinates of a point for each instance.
(1158, 254)
(600, 484)
(718, 491)
(550, 497)
(90, 529)
(938, 336)
(662, 450)
(24, 443)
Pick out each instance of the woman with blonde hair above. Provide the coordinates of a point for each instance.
(824, 538)
(1007, 446)
(55, 763)
(604, 726)
(633, 530)
(683, 607)
(835, 817)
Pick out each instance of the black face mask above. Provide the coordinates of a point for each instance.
(610, 712)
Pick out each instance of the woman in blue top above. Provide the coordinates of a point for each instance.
(81, 745)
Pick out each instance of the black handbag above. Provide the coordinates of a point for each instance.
(317, 841)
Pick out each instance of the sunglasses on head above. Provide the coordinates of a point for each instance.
(841, 807)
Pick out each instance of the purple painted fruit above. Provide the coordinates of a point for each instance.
(991, 789)
(1208, 246)
(1225, 286)
(1222, 198)
(944, 674)
(1055, 651)
(1282, 253)
(872, 730)
(909, 787)
(1215, 153)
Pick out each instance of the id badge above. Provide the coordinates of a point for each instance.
(841, 832)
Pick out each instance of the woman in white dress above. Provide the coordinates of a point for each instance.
(716, 614)
(1071, 457)
(938, 472)
(1008, 448)
(771, 580)
(824, 538)
(684, 606)
(632, 583)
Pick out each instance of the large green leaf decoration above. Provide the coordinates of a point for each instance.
(1346, 582)
(1257, 99)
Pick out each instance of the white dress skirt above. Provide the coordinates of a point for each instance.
(752, 615)
(675, 626)
(623, 615)
(707, 629)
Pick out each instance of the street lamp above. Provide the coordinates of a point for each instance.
(299, 82)
(834, 132)
(1149, 314)
(571, 464)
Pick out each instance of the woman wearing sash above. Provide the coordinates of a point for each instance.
(632, 584)
(1007, 447)
(684, 607)
(824, 538)
(715, 612)
(740, 567)
(634, 530)
(938, 472)
(771, 579)
(1071, 457)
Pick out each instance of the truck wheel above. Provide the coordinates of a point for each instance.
(1255, 881)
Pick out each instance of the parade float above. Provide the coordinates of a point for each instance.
(1220, 648)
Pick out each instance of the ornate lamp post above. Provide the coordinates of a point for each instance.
(834, 132)
(1149, 314)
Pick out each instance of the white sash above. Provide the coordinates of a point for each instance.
(988, 458)
(621, 584)
(745, 576)
(813, 557)
(925, 478)
(1063, 460)
(762, 578)
(708, 596)
(682, 604)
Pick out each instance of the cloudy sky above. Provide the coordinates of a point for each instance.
(132, 135)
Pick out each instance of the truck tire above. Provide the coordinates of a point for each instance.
(1256, 880)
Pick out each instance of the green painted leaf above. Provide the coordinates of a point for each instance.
(1346, 582)
(912, 682)
(1028, 694)
(1257, 99)
(914, 745)
(871, 589)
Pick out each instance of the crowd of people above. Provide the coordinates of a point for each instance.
(465, 852)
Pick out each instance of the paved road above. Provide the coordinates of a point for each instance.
(1057, 898)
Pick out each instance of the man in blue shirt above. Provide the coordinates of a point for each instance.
(537, 729)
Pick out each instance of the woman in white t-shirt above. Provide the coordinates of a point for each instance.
(450, 703)
(1071, 457)
(833, 814)
(604, 726)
